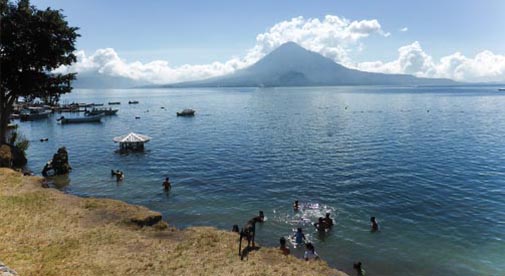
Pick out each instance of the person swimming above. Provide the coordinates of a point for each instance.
(328, 220)
(299, 236)
(374, 225)
(296, 206)
(283, 247)
(166, 184)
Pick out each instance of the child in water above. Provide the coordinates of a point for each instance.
(166, 184)
(374, 225)
(310, 252)
(359, 269)
(299, 236)
(283, 247)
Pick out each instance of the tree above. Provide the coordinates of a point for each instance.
(32, 44)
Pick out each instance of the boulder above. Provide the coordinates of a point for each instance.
(146, 219)
(59, 164)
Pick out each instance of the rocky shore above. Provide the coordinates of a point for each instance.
(47, 232)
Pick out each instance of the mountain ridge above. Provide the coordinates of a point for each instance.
(292, 65)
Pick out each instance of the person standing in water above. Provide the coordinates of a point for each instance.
(166, 184)
(359, 269)
(296, 207)
(374, 225)
(283, 247)
(328, 221)
(321, 225)
(310, 252)
(260, 218)
(299, 236)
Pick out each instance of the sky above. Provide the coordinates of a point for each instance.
(170, 41)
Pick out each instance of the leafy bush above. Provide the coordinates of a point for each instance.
(19, 141)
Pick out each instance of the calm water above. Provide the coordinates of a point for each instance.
(428, 163)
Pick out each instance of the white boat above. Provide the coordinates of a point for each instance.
(34, 113)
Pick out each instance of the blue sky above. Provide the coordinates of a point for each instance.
(204, 31)
(200, 32)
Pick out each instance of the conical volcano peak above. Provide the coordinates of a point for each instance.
(292, 65)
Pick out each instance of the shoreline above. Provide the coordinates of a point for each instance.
(48, 232)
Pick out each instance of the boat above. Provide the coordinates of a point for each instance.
(114, 103)
(12, 126)
(97, 104)
(105, 111)
(501, 89)
(186, 112)
(34, 113)
(78, 120)
(133, 102)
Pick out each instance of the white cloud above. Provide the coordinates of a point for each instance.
(404, 29)
(412, 59)
(334, 37)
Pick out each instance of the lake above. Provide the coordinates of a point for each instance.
(429, 163)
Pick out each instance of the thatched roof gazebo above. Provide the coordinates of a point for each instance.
(132, 141)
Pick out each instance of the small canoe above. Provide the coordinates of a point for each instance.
(113, 103)
(186, 112)
(88, 119)
(133, 102)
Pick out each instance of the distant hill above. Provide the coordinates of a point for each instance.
(98, 81)
(292, 65)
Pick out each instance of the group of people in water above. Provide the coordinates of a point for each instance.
(322, 224)
(120, 177)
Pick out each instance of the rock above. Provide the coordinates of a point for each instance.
(59, 164)
(5, 271)
(147, 219)
(11, 157)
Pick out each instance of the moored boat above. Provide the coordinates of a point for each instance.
(114, 103)
(78, 120)
(186, 112)
(105, 111)
(501, 89)
(133, 102)
(34, 113)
